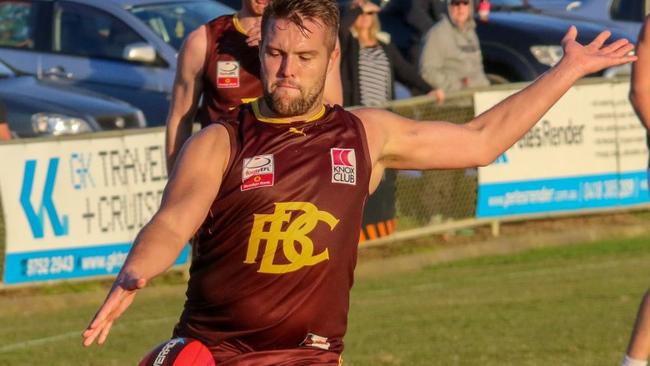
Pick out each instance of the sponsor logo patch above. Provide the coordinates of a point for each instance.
(257, 172)
(344, 166)
(316, 341)
(227, 74)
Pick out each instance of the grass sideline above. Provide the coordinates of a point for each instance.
(570, 305)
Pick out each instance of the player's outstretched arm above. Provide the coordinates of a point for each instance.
(187, 88)
(398, 142)
(639, 348)
(640, 90)
(185, 204)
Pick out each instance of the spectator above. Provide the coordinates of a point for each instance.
(420, 15)
(451, 56)
(4, 125)
(370, 66)
(368, 69)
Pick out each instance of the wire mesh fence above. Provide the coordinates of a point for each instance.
(422, 198)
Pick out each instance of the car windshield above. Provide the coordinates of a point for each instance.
(5, 71)
(174, 21)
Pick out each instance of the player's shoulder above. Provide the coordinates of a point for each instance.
(373, 115)
(215, 25)
(380, 124)
(213, 132)
(220, 23)
(196, 40)
(214, 138)
(222, 19)
(206, 152)
(373, 122)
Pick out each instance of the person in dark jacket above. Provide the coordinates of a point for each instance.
(369, 66)
(420, 15)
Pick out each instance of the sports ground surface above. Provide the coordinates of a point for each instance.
(568, 305)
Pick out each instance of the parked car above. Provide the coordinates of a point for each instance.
(122, 48)
(36, 108)
(518, 43)
(627, 15)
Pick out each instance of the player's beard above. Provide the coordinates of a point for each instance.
(286, 106)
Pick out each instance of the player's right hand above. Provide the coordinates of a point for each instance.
(117, 301)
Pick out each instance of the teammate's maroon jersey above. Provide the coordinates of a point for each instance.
(231, 73)
(276, 254)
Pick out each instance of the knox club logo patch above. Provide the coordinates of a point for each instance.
(227, 74)
(257, 172)
(344, 166)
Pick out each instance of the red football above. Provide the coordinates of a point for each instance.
(179, 352)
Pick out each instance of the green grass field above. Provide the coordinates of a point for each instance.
(570, 305)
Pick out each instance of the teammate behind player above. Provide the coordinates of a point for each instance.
(277, 195)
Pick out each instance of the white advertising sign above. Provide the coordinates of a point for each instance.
(73, 207)
(588, 151)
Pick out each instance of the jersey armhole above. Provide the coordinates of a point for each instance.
(208, 47)
(234, 147)
(364, 144)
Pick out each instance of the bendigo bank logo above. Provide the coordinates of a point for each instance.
(287, 227)
(257, 172)
(344, 166)
(227, 74)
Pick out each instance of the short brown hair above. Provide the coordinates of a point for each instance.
(325, 12)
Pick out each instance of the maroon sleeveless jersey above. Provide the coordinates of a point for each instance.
(276, 254)
(231, 73)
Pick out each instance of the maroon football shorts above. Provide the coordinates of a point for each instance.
(230, 356)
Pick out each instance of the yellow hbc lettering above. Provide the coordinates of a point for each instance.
(269, 228)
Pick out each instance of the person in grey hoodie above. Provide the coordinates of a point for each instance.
(451, 55)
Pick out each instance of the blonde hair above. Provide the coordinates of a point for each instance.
(374, 30)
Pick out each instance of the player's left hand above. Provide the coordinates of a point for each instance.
(596, 55)
(254, 34)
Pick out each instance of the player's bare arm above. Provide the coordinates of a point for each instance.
(185, 94)
(640, 90)
(185, 203)
(398, 142)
